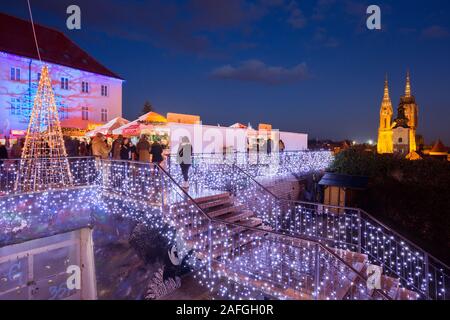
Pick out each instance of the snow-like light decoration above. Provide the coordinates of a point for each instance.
(44, 164)
(301, 251)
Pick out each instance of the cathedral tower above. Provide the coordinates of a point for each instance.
(411, 111)
(385, 135)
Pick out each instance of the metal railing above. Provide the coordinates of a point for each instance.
(338, 227)
(294, 226)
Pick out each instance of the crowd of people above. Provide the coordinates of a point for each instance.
(124, 149)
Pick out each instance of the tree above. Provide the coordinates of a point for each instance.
(148, 107)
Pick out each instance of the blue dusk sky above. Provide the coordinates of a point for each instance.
(303, 66)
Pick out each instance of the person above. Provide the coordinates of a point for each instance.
(269, 146)
(125, 150)
(116, 148)
(133, 151)
(3, 153)
(83, 149)
(184, 159)
(143, 149)
(156, 152)
(281, 145)
(16, 150)
(100, 148)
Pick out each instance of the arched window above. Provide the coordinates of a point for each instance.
(400, 140)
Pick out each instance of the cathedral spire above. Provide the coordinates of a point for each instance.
(386, 89)
(408, 85)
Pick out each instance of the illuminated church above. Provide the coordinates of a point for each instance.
(398, 135)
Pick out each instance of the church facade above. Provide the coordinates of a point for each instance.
(398, 135)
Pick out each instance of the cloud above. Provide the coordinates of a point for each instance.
(322, 38)
(258, 71)
(322, 9)
(435, 32)
(296, 17)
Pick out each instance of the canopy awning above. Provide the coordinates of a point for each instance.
(152, 118)
(109, 127)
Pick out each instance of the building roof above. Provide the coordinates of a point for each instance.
(344, 181)
(16, 37)
(438, 149)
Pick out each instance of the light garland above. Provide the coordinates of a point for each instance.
(44, 161)
(230, 262)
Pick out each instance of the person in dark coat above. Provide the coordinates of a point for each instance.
(125, 150)
(3, 153)
(156, 151)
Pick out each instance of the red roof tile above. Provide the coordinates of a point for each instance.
(16, 37)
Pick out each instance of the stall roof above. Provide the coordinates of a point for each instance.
(344, 181)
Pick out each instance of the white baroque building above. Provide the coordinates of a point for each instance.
(87, 93)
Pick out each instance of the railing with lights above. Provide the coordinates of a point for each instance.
(260, 260)
(83, 173)
(268, 165)
(298, 231)
(337, 227)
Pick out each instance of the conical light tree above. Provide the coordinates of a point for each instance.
(44, 164)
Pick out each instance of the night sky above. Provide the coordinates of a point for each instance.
(303, 66)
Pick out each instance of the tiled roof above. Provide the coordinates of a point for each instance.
(16, 37)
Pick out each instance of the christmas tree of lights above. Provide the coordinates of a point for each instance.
(44, 164)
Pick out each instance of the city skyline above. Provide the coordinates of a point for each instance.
(309, 67)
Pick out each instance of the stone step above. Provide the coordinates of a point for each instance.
(237, 216)
(217, 212)
(215, 203)
(351, 256)
(213, 197)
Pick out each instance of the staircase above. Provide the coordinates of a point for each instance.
(233, 244)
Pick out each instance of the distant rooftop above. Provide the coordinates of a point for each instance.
(344, 181)
(16, 37)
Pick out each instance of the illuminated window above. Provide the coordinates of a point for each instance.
(84, 113)
(65, 83)
(104, 91)
(85, 87)
(15, 107)
(15, 74)
(104, 115)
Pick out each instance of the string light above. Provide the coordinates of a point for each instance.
(231, 260)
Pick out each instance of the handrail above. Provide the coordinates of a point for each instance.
(367, 219)
(342, 208)
(296, 237)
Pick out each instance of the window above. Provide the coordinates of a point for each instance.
(85, 87)
(104, 91)
(84, 113)
(39, 76)
(65, 83)
(63, 113)
(104, 115)
(400, 140)
(15, 74)
(15, 106)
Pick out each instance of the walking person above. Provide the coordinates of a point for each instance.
(184, 159)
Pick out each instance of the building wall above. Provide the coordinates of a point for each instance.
(401, 140)
(294, 141)
(16, 97)
(213, 139)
